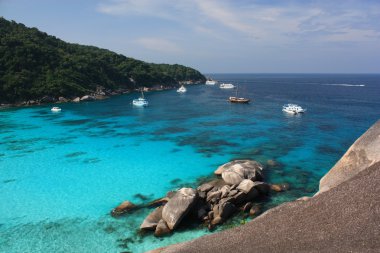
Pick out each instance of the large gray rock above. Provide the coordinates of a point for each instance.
(236, 171)
(178, 206)
(248, 187)
(228, 165)
(363, 153)
(151, 221)
(162, 229)
(205, 187)
(213, 196)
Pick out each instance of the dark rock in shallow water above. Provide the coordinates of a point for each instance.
(238, 198)
(254, 210)
(151, 221)
(123, 208)
(262, 187)
(158, 202)
(215, 221)
(247, 207)
(280, 187)
(226, 209)
(141, 196)
(162, 229)
(178, 206)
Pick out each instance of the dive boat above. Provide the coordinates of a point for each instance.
(182, 89)
(141, 101)
(226, 86)
(236, 99)
(211, 82)
(55, 109)
(293, 109)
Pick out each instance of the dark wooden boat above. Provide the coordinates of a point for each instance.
(236, 99)
(239, 100)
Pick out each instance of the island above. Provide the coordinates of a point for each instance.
(39, 68)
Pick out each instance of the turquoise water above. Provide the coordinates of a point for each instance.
(61, 173)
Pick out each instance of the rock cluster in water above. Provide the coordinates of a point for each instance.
(212, 202)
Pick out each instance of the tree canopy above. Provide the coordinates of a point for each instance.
(34, 64)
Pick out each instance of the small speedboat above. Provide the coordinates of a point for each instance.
(141, 101)
(182, 89)
(293, 109)
(55, 109)
(211, 82)
(226, 86)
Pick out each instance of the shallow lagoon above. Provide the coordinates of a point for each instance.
(61, 173)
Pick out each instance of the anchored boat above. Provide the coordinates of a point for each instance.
(226, 86)
(211, 82)
(293, 109)
(55, 109)
(182, 89)
(236, 99)
(141, 101)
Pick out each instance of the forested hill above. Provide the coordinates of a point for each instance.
(34, 64)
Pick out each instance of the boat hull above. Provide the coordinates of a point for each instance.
(239, 100)
(139, 103)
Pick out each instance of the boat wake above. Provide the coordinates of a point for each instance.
(344, 84)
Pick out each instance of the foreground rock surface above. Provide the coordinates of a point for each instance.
(339, 220)
(343, 217)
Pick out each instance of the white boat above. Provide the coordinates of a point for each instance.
(141, 101)
(226, 86)
(182, 89)
(211, 82)
(293, 109)
(55, 109)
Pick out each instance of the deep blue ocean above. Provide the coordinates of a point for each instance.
(62, 173)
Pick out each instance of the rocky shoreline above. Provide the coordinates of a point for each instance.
(100, 94)
(238, 186)
(344, 216)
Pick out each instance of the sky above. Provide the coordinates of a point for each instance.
(219, 36)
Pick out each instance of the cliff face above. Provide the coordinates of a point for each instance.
(343, 217)
(361, 155)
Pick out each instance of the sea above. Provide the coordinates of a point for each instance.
(62, 173)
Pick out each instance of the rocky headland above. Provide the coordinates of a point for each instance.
(344, 216)
(37, 68)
